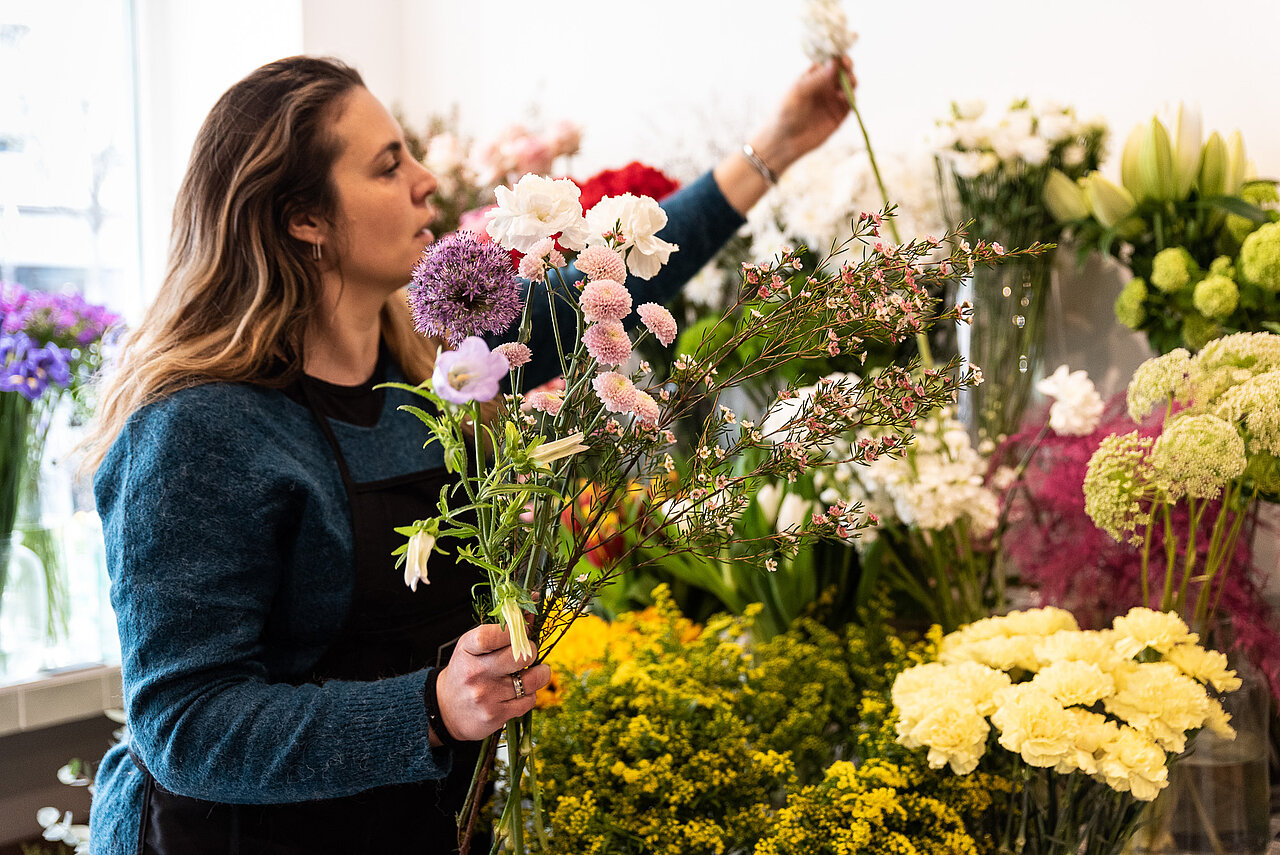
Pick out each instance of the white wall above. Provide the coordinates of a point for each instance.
(665, 77)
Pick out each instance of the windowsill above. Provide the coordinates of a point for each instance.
(70, 694)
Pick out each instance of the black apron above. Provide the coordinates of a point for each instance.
(388, 631)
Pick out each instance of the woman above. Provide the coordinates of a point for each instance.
(285, 691)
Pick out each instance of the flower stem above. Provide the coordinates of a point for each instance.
(922, 341)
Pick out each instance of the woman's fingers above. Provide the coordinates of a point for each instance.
(477, 691)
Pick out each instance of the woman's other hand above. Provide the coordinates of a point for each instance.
(810, 112)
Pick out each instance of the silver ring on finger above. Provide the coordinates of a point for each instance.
(517, 683)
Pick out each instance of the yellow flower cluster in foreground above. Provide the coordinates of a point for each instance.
(1112, 704)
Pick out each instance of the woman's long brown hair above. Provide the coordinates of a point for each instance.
(239, 291)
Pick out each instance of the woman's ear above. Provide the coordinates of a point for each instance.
(308, 228)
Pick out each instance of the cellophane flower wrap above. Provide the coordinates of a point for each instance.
(607, 430)
(1084, 722)
(1216, 454)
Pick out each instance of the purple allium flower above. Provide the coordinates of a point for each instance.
(470, 373)
(462, 287)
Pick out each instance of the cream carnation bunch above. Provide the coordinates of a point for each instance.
(1217, 453)
(1086, 721)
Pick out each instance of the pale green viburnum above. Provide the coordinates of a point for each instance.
(1196, 455)
(1117, 483)
(1157, 381)
(1129, 307)
(1223, 266)
(1197, 330)
(1255, 405)
(1174, 269)
(1215, 296)
(1260, 258)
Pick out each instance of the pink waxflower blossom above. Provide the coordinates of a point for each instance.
(645, 408)
(659, 322)
(608, 342)
(604, 300)
(515, 353)
(615, 391)
(601, 262)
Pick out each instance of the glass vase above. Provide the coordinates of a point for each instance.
(1218, 799)
(1006, 341)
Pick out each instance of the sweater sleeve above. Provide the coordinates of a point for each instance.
(201, 532)
(699, 221)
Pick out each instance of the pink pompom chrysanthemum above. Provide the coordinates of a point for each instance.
(645, 408)
(548, 402)
(515, 353)
(615, 391)
(658, 321)
(541, 255)
(604, 300)
(608, 342)
(600, 262)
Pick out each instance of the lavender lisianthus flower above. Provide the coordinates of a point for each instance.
(462, 287)
(470, 373)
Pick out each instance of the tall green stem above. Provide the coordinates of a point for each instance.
(922, 341)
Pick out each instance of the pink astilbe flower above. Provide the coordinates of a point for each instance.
(515, 353)
(659, 322)
(607, 342)
(601, 262)
(615, 391)
(645, 408)
(604, 300)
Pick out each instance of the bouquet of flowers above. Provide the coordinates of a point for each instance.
(50, 345)
(608, 426)
(1217, 454)
(1085, 723)
(993, 171)
(1200, 237)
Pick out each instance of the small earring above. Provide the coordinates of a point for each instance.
(315, 251)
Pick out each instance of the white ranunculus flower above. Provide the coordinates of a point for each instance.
(535, 209)
(1034, 150)
(639, 218)
(1077, 406)
(970, 108)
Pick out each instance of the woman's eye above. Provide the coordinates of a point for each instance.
(393, 167)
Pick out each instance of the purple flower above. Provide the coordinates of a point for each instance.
(470, 373)
(30, 370)
(463, 286)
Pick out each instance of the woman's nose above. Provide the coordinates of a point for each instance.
(426, 183)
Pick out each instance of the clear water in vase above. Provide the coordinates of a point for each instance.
(1222, 802)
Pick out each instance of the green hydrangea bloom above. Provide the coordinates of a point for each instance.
(1197, 455)
(1260, 258)
(1215, 296)
(1197, 330)
(1223, 266)
(1174, 269)
(1129, 305)
(1261, 194)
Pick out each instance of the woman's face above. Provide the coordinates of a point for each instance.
(382, 216)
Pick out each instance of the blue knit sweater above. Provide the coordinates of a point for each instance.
(230, 551)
